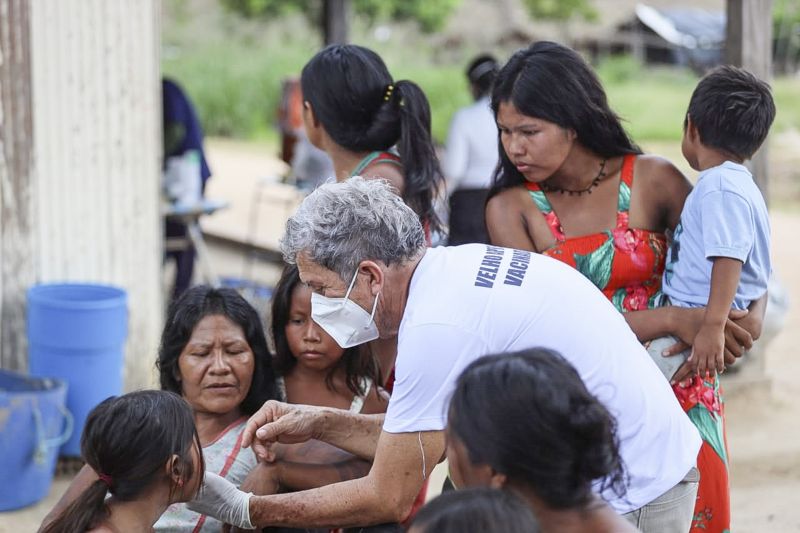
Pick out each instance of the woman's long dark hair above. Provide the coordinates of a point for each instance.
(529, 416)
(193, 306)
(552, 82)
(128, 440)
(355, 99)
(356, 362)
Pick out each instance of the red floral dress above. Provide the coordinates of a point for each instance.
(627, 264)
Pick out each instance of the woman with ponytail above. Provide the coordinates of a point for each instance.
(356, 112)
(146, 451)
(525, 422)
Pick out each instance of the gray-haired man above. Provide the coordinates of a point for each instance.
(362, 251)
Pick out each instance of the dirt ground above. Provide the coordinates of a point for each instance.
(763, 413)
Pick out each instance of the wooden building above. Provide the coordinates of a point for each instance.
(80, 150)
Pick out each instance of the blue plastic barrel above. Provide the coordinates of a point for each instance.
(33, 424)
(77, 333)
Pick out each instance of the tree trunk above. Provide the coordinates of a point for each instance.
(749, 45)
(336, 21)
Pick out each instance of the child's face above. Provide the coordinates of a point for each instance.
(309, 344)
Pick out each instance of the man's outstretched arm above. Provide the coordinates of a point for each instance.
(290, 423)
(386, 494)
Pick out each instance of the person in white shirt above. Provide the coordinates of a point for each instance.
(363, 254)
(470, 156)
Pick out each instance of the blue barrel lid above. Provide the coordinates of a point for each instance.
(77, 295)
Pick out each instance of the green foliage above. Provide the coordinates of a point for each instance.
(785, 12)
(235, 84)
(562, 10)
(430, 14)
(787, 104)
(653, 101)
(269, 8)
(232, 69)
(446, 89)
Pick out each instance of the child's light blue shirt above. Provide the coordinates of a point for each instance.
(724, 216)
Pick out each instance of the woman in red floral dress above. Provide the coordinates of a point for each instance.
(573, 186)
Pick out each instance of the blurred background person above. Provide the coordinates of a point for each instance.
(309, 165)
(471, 156)
(184, 155)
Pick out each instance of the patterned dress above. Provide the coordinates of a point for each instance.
(627, 264)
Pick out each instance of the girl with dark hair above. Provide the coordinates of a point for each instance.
(356, 112)
(314, 369)
(565, 188)
(525, 422)
(146, 449)
(480, 510)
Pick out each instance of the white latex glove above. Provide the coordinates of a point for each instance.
(220, 498)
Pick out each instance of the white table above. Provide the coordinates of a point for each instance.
(189, 215)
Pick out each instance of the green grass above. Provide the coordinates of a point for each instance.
(446, 89)
(232, 70)
(787, 103)
(653, 101)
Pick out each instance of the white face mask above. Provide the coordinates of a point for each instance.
(343, 319)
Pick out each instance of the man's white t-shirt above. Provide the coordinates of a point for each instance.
(468, 301)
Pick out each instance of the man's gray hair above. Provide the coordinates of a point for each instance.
(341, 224)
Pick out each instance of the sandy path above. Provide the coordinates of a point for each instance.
(764, 430)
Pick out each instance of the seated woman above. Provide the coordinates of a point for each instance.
(214, 353)
(146, 448)
(525, 422)
(480, 510)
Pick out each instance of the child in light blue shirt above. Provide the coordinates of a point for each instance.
(719, 257)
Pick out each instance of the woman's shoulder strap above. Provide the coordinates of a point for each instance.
(625, 186)
(627, 169)
(374, 158)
